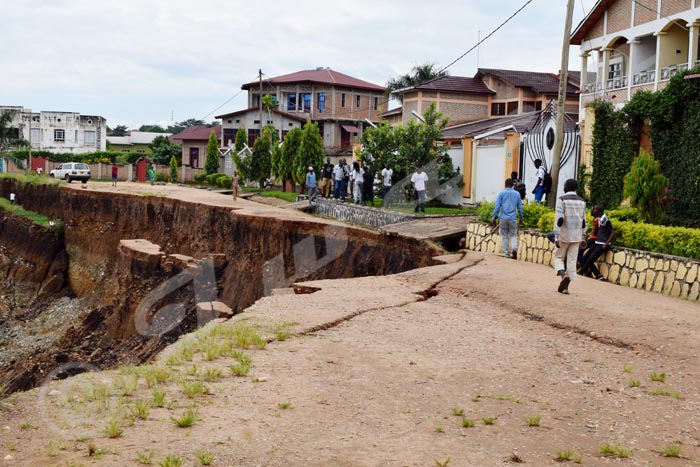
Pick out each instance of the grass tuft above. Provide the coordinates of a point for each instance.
(658, 377)
(204, 457)
(457, 412)
(534, 420)
(467, 422)
(671, 450)
(614, 450)
(171, 460)
(113, 429)
(634, 383)
(488, 420)
(186, 419)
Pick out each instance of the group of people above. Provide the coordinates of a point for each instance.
(346, 181)
(574, 252)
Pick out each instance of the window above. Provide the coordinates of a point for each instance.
(253, 134)
(357, 101)
(291, 101)
(140, 151)
(194, 157)
(376, 103)
(35, 135)
(306, 101)
(59, 136)
(342, 100)
(538, 105)
(614, 70)
(498, 108)
(89, 137)
(321, 102)
(513, 108)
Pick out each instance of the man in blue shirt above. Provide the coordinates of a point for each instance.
(507, 203)
(311, 184)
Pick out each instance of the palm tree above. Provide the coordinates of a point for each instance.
(418, 74)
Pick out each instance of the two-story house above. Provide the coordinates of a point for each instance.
(59, 131)
(340, 104)
(489, 93)
(633, 46)
(134, 141)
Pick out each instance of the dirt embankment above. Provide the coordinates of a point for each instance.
(254, 254)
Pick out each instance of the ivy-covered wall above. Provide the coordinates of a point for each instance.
(673, 116)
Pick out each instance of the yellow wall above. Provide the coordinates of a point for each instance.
(512, 148)
(467, 144)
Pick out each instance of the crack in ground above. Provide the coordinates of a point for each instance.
(426, 294)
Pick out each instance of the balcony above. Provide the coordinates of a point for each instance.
(589, 88)
(644, 77)
(669, 71)
(617, 83)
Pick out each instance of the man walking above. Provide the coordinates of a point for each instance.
(387, 173)
(311, 184)
(538, 191)
(507, 203)
(418, 179)
(115, 173)
(326, 178)
(569, 233)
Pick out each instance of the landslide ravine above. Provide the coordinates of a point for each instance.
(70, 299)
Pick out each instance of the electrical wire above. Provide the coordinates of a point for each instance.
(489, 35)
(227, 101)
(654, 10)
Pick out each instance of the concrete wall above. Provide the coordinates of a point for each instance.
(361, 215)
(669, 275)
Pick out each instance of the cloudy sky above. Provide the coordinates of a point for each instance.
(145, 61)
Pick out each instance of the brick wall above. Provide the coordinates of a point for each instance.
(671, 7)
(619, 15)
(599, 29)
(644, 15)
(362, 215)
(463, 112)
(669, 275)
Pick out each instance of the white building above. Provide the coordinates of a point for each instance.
(59, 131)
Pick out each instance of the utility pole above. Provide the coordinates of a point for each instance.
(561, 107)
(260, 100)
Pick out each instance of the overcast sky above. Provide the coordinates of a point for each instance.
(143, 61)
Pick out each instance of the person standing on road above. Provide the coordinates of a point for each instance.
(115, 173)
(358, 180)
(508, 205)
(235, 183)
(326, 178)
(387, 173)
(337, 179)
(418, 179)
(569, 233)
(538, 191)
(151, 173)
(311, 184)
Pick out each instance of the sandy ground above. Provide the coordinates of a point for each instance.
(376, 369)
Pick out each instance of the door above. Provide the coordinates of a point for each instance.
(141, 170)
(490, 171)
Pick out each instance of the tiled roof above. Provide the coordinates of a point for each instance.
(319, 75)
(389, 113)
(543, 83)
(257, 109)
(596, 13)
(144, 137)
(455, 84)
(520, 122)
(196, 133)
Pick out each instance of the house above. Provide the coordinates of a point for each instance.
(633, 46)
(490, 149)
(134, 141)
(489, 93)
(194, 141)
(250, 120)
(59, 131)
(340, 104)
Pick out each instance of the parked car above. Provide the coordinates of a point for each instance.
(72, 171)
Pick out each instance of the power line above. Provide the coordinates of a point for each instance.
(489, 35)
(654, 10)
(229, 100)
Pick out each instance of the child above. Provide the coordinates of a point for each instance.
(596, 211)
(605, 233)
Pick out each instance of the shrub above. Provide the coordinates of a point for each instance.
(532, 212)
(200, 177)
(211, 179)
(678, 241)
(224, 182)
(646, 187)
(624, 214)
(160, 177)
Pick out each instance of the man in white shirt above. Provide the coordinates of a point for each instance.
(386, 182)
(418, 179)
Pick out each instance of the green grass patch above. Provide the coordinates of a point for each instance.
(614, 450)
(289, 196)
(672, 450)
(52, 225)
(658, 377)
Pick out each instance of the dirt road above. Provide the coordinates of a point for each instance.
(392, 371)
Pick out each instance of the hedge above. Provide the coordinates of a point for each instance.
(104, 157)
(677, 241)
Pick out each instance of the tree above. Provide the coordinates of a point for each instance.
(260, 160)
(119, 130)
(163, 150)
(10, 138)
(211, 165)
(418, 74)
(152, 128)
(310, 152)
(269, 103)
(647, 187)
(241, 163)
(283, 163)
(173, 170)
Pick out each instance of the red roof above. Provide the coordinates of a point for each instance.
(319, 75)
(543, 83)
(455, 84)
(196, 133)
(257, 109)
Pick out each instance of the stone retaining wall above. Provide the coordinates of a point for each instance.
(669, 275)
(362, 215)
